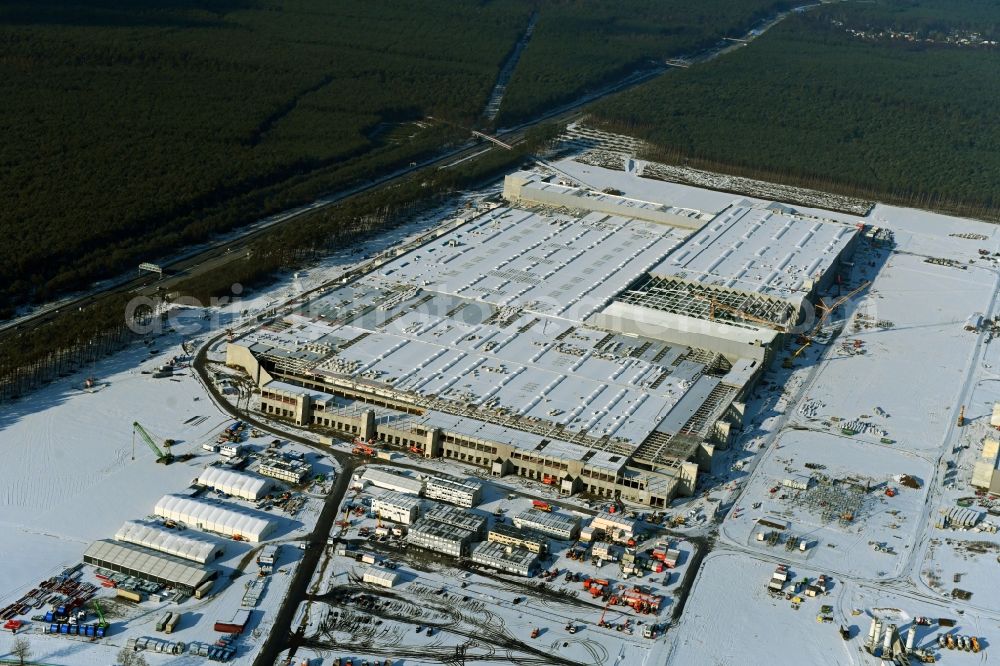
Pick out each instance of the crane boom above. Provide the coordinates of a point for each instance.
(827, 310)
(165, 458)
(714, 304)
(100, 614)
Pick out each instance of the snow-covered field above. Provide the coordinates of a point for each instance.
(733, 619)
(842, 546)
(873, 410)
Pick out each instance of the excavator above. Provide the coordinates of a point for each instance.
(100, 615)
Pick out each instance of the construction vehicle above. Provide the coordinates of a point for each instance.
(363, 449)
(101, 622)
(161, 457)
(535, 632)
(346, 521)
(974, 643)
(541, 506)
(601, 622)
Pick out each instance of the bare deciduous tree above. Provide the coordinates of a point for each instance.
(21, 649)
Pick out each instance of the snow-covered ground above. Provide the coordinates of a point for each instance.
(871, 410)
(69, 477)
(492, 614)
(733, 619)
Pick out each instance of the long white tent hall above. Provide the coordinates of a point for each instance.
(168, 541)
(214, 517)
(237, 484)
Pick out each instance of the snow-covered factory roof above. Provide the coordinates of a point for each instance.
(548, 264)
(484, 329)
(167, 541)
(395, 482)
(767, 250)
(533, 367)
(231, 482)
(213, 517)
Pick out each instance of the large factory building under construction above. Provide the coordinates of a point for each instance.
(592, 342)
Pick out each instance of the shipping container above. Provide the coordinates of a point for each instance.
(203, 590)
(172, 624)
(129, 594)
(236, 625)
(162, 622)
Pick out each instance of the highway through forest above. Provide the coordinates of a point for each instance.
(219, 252)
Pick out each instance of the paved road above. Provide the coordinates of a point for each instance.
(281, 632)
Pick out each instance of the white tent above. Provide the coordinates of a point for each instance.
(214, 517)
(238, 484)
(168, 541)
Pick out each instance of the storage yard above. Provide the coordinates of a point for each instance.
(97, 566)
(600, 419)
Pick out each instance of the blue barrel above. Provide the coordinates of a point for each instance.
(100, 632)
(63, 628)
(53, 628)
(48, 616)
(90, 630)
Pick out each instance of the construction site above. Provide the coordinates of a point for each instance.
(589, 416)
(513, 595)
(606, 350)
